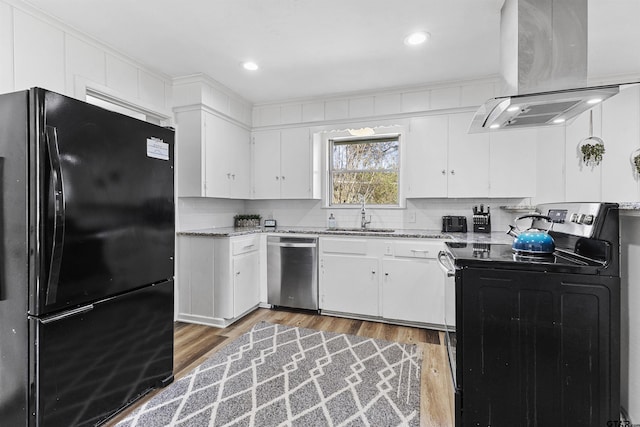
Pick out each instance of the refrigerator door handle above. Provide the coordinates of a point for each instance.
(58, 217)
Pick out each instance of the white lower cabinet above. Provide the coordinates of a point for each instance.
(349, 284)
(246, 277)
(413, 291)
(218, 278)
(392, 279)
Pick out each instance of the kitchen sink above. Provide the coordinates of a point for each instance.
(364, 230)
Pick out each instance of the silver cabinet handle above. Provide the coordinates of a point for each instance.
(444, 172)
(453, 172)
(277, 178)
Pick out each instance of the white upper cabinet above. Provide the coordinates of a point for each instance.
(468, 159)
(426, 166)
(228, 154)
(282, 164)
(266, 165)
(214, 156)
(443, 160)
(512, 163)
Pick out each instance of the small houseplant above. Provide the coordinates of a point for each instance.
(592, 153)
(636, 162)
(592, 147)
(246, 220)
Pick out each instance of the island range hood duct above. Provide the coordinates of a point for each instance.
(543, 54)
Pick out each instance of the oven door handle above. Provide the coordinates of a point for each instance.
(447, 266)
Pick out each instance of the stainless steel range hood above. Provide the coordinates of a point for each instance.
(543, 51)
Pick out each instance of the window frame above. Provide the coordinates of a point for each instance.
(360, 139)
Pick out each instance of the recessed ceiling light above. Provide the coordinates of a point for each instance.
(249, 65)
(513, 108)
(594, 100)
(416, 38)
(561, 120)
(494, 126)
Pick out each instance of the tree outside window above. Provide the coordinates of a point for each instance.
(366, 167)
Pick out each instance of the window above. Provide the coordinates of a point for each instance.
(366, 167)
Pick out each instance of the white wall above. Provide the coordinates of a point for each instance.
(37, 50)
(630, 295)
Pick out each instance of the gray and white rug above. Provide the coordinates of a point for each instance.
(279, 375)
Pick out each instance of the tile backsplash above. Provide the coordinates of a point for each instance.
(196, 213)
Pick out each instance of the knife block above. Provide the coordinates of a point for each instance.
(482, 223)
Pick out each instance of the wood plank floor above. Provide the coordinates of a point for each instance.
(195, 343)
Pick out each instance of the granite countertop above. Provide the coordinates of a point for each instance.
(494, 237)
(629, 206)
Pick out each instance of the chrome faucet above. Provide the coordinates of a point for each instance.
(363, 213)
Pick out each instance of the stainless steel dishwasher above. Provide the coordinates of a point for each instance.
(292, 272)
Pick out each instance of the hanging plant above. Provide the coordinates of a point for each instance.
(636, 161)
(592, 147)
(592, 153)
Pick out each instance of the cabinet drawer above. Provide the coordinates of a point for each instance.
(242, 245)
(415, 249)
(344, 246)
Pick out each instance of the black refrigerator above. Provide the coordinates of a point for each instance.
(87, 260)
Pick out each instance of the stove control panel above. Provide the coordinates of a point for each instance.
(570, 218)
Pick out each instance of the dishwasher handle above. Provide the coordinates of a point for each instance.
(449, 269)
(292, 245)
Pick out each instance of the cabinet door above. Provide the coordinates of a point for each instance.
(217, 152)
(468, 159)
(426, 157)
(349, 284)
(246, 282)
(240, 158)
(413, 290)
(295, 164)
(266, 165)
(513, 163)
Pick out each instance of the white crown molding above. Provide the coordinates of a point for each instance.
(382, 91)
(208, 109)
(213, 83)
(366, 120)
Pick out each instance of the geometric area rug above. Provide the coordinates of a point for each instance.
(276, 375)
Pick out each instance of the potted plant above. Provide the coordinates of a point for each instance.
(635, 160)
(592, 153)
(246, 220)
(592, 147)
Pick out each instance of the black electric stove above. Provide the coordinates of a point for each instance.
(496, 255)
(534, 340)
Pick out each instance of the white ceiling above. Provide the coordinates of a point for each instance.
(308, 48)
